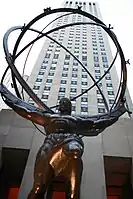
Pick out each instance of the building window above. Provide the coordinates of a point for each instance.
(74, 82)
(83, 90)
(65, 69)
(63, 81)
(108, 78)
(111, 101)
(109, 85)
(97, 76)
(43, 67)
(74, 75)
(76, 51)
(95, 53)
(97, 71)
(96, 59)
(100, 84)
(85, 63)
(84, 52)
(67, 57)
(73, 108)
(56, 56)
(84, 83)
(84, 76)
(47, 88)
(62, 90)
(99, 100)
(101, 110)
(44, 96)
(47, 55)
(54, 62)
(104, 59)
(49, 81)
(75, 63)
(105, 65)
(84, 99)
(103, 53)
(77, 56)
(38, 80)
(98, 92)
(64, 74)
(41, 73)
(84, 58)
(75, 69)
(110, 92)
(45, 61)
(96, 65)
(66, 63)
(52, 68)
(36, 87)
(84, 44)
(84, 109)
(73, 90)
(51, 74)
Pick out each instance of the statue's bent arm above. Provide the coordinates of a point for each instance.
(88, 127)
(24, 109)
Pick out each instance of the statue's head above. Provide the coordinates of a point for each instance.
(65, 106)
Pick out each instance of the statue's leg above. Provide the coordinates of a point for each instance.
(43, 173)
(75, 179)
(73, 173)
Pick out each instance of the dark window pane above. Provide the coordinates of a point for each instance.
(47, 55)
(62, 89)
(38, 80)
(51, 74)
(63, 81)
(84, 109)
(47, 88)
(49, 81)
(109, 85)
(44, 96)
(110, 92)
(41, 73)
(84, 83)
(73, 90)
(84, 99)
(36, 87)
(101, 110)
(99, 100)
(56, 56)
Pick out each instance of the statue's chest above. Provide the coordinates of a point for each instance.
(61, 124)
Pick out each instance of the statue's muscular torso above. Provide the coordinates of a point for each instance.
(61, 124)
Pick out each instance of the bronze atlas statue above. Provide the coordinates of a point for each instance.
(61, 152)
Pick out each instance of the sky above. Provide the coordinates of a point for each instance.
(118, 13)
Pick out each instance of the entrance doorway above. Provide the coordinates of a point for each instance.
(11, 174)
(118, 177)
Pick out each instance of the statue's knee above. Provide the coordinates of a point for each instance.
(36, 188)
(73, 149)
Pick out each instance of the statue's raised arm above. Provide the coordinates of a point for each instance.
(24, 109)
(93, 125)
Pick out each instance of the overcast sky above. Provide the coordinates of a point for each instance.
(117, 12)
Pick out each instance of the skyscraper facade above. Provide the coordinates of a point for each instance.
(57, 74)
